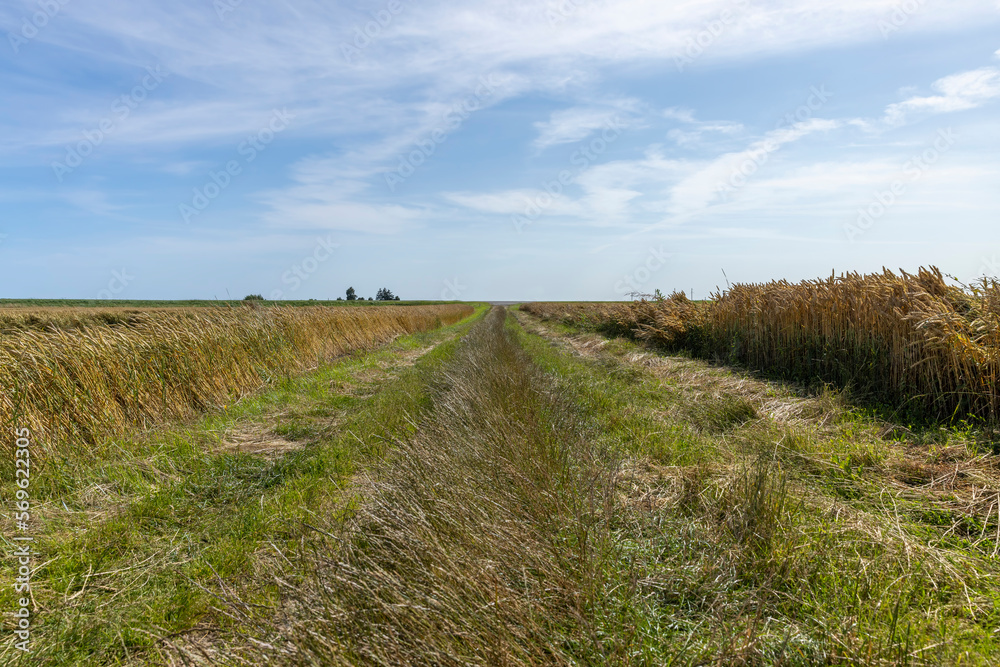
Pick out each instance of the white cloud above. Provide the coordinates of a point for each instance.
(608, 193)
(693, 135)
(624, 192)
(319, 212)
(957, 92)
(641, 31)
(573, 125)
(615, 190)
(344, 191)
(220, 68)
(701, 188)
(185, 167)
(324, 196)
(570, 126)
(680, 113)
(228, 75)
(514, 202)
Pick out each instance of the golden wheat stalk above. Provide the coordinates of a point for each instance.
(909, 340)
(91, 380)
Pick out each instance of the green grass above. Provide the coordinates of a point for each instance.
(144, 540)
(623, 402)
(784, 542)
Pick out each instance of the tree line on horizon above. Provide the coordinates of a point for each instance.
(383, 294)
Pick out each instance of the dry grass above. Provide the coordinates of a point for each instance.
(14, 319)
(87, 377)
(479, 541)
(911, 341)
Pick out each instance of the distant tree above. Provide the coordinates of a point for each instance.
(385, 294)
(370, 299)
(340, 298)
(351, 294)
(396, 299)
(253, 297)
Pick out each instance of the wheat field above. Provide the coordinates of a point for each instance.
(78, 376)
(910, 340)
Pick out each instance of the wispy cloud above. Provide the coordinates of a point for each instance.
(695, 130)
(227, 73)
(511, 202)
(186, 167)
(702, 187)
(573, 125)
(323, 196)
(92, 201)
(957, 92)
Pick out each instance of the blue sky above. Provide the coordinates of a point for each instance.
(579, 149)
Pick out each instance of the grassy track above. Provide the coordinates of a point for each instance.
(487, 538)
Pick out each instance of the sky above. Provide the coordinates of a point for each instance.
(491, 150)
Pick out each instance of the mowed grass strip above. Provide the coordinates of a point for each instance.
(781, 527)
(486, 538)
(140, 551)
